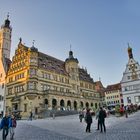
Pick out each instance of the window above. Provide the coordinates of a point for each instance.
(128, 99)
(31, 85)
(55, 77)
(45, 87)
(32, 72)
(137, 99)
(81, 84)
(62, 89)
(55, 88)
(10, 79)
(19, 76)
(19, 88)
(1, 98)
(128, 77)
(10, 91)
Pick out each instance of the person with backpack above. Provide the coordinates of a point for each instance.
(13, 125)
(5, 123)
(102, 116)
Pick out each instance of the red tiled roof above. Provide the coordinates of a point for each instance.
(113, 87)
(84, 76)
(51, 64)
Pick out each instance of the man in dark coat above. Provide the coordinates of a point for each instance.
(102, 116)
(5, 124)
(88, 119)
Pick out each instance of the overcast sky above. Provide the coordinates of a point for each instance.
(98, 31)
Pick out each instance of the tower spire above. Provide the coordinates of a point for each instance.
(20, 40)
(7, 22)
(130, 54)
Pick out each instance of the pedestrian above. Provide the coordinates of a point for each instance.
(5, 124)
(81, 116)
(126, 111)
(97, 118)
(88, 119)
(31, 116)
(102, 116)
(13, 125)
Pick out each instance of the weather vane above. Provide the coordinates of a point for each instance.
(8, 15)
(70, 47)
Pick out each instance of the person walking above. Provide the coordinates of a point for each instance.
(81, 115)
(88, 119)
(102, 116)
(13, 124)
(5, 123)
(126, 111)
(31, 116)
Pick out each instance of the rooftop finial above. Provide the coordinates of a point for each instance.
(70, 47)
(8, 15)
(20, 40)
(33, 43)
(128, 45)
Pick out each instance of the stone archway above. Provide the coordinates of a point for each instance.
(75, 105)
(69, 105)
(91, 105)
(81, 105)
(46, 103)
(96, 105)
(87, 105)
(54, 103)
(62, 104)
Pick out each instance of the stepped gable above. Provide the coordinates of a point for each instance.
(113, 87)
(51, 64)
(84, 76)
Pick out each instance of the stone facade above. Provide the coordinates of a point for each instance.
(37, 82)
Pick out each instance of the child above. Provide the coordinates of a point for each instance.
(13, 125)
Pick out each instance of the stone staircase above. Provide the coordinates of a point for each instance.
(49, 113)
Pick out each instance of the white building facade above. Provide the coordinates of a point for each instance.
(130, 82)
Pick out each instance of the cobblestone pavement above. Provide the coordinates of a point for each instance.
(69, 128)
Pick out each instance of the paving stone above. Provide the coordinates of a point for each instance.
(69, 128)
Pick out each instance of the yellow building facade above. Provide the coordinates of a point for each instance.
(37, 82)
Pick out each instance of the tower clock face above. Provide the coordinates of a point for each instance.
(133, 69)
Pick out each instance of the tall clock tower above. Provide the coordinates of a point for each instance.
(130, 82)
(5, 47)
(5, 39)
